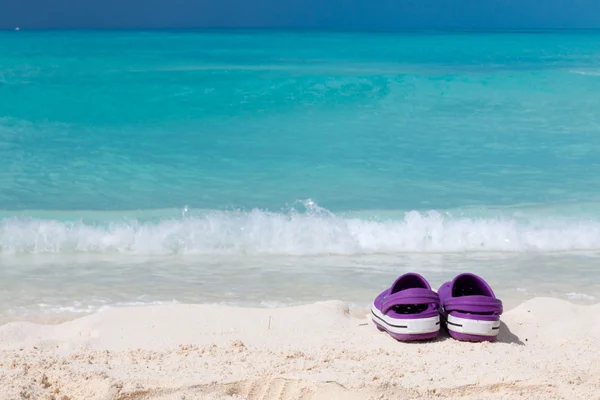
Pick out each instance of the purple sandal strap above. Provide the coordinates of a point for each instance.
(474, 304)
(408, 297)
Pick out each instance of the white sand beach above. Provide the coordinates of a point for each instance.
(547, 349)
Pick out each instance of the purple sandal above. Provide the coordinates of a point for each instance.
(408, 310)
(470, 309)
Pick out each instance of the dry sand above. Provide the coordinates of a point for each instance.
(547, 349)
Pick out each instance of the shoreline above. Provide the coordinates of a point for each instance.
(547, 349)
(356, 307)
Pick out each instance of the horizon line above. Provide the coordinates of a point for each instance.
(19, 28)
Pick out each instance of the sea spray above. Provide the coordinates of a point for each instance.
(314, 231)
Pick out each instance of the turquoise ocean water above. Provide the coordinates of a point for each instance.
(271, 168)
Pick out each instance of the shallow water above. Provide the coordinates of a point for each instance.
(58, 288)
(273, 168)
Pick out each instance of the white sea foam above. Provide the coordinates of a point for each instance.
(593, 72)
(580, 296)
(315, 232)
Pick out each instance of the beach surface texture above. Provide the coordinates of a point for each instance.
(547, 349)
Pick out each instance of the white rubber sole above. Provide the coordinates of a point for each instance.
(472, 326)
(406, 326)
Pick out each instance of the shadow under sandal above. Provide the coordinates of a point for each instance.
(470, 309)
(408, 310)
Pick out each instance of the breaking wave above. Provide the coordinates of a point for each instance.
(314, 232)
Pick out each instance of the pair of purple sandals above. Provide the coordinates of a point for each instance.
(411, 310)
